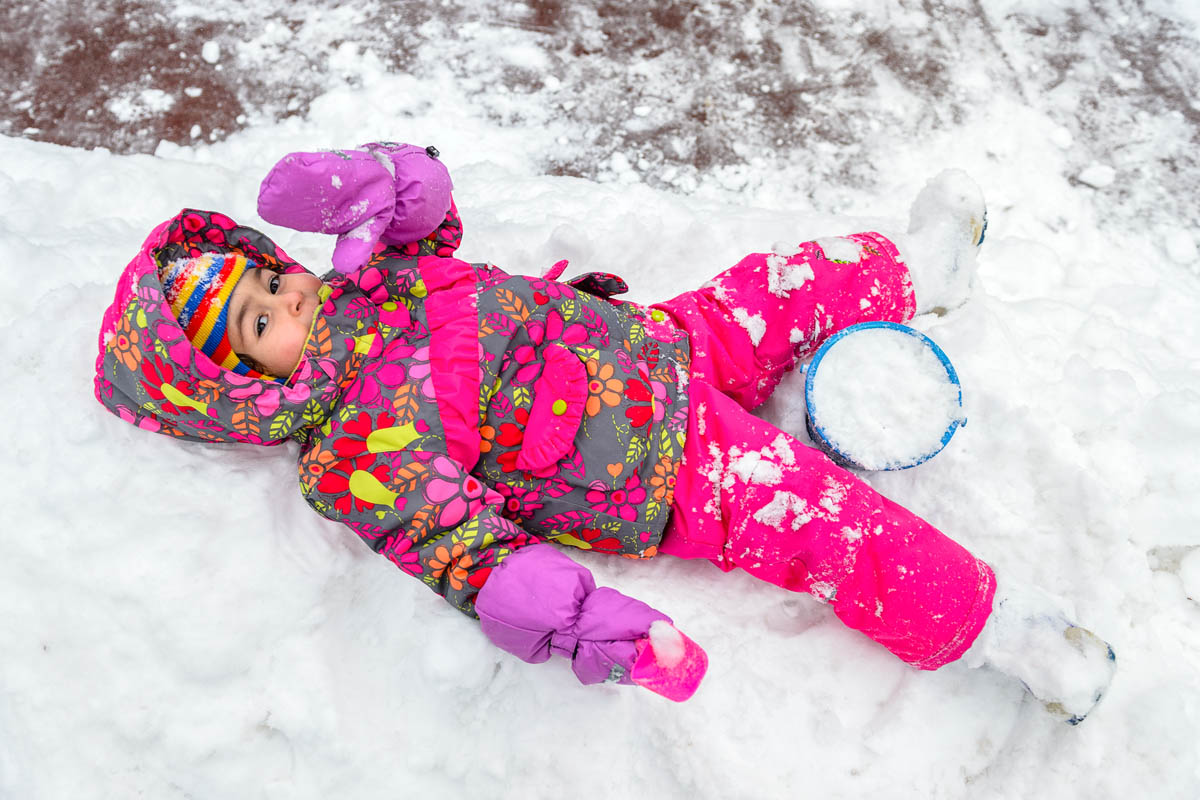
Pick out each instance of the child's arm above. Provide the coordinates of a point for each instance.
(540, 602)
(383, 195)
(439, 523)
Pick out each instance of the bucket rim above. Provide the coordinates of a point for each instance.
(818, 433)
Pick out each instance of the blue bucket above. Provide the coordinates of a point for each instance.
(819, 435)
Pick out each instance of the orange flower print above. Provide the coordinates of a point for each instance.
(487, 436)
(662, 482)
(453, 562)
(458, 573)
(603, 388)
(124, 343)
(313, 465)
(649, 552)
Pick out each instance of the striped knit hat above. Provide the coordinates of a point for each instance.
(198, 291)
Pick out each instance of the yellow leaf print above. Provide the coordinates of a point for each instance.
(366, 487)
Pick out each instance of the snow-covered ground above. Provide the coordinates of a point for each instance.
(178, 624)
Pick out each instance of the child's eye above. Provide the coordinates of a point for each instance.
(273, 284)
(260, 324)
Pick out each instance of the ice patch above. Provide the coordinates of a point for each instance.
(147, 103)
(211, 52)
(1098, 176)
(525, 56)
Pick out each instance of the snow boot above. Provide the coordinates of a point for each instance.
(1028, 637)
(946, 226)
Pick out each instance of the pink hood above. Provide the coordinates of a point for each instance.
(149, 374)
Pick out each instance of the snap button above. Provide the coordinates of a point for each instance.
(559, 408)
(658, 315)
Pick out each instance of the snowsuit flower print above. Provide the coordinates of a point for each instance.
(386, 403)
(458, 418)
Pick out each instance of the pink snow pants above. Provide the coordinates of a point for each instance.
(749, 495)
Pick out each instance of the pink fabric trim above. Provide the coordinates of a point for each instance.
(127, 284)
(451, 311)
(142, 263)
(549, 436)
(555, 272)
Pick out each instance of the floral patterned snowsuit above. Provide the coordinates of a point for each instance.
(455, 416)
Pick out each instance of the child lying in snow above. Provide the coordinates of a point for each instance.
(457, 417)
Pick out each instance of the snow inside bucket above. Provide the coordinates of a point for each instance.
(882, 396)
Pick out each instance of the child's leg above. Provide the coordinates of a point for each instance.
(750, 496)
(753, 322)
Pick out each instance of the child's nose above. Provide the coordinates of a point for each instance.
(292, 302)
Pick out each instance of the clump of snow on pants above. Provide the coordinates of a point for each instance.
(882, 398)
(847, 251)
(775, 512)
(783, 276)
(754, 467)
(754, 324)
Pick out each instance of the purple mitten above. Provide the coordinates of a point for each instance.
(384, 192)
(669, 663)
(539, 601)
(422, 190)
(344, 192)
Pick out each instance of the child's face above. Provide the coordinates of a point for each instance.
(269, 319)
